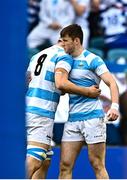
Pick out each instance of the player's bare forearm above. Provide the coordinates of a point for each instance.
(113, 112)
(111, 83)
(63, 84)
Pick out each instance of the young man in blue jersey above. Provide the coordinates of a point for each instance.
(86, 116)
(48, 71)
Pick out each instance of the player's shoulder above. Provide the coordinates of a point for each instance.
(90, 57)
(44, 51)
(62, 54)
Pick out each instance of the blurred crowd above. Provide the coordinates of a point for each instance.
(104, 24)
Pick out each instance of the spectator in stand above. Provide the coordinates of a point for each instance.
(33, 11)
(53, 16)
(82, 10)
(94, 24)
(113, 15)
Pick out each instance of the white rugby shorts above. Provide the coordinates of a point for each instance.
(39, 129)
(91, 131)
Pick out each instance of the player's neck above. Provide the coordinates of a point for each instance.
(78, 51)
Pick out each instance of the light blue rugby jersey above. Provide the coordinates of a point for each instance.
(42, 96)
(85, 72)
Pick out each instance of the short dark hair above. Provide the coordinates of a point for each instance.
(73, 31)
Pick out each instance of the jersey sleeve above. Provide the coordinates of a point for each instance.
(98, 66)
(64, 62)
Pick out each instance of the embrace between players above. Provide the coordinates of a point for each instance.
(67, 68)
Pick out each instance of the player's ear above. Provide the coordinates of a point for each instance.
(77, 40)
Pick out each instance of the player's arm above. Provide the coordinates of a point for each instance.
(113, 113)
(29, 71)
(28, 77)
(66, 86)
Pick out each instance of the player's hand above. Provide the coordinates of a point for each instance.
(94, 91)
(112, 115)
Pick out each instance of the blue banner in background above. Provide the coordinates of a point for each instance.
(116, 163)
(12, 89)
